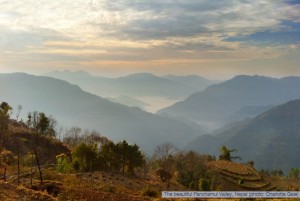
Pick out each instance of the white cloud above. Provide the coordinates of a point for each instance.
(164, 18)
(131, 30)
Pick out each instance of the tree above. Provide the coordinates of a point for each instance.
(204, 184)
(92, 137)
(276, 173)
(35, 120)
(34, 143)
(5, 108)
(51, 126)
(43, 123)
(294, 173)
(122, 156)
(63, 163)
(163, 159)
(130, 156)
(122, 151)
(226, 154)
(38, 164)
(4, 120)
(251, 163)
(164, 175)
(110, 155)
(135, 158)
(163, 155)
(29, 121)
(72, 136)
(86, 156)
(18, 159)
(19, 108)
(190, 169)
(6, 158)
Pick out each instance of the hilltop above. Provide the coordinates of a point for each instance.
(24, 140)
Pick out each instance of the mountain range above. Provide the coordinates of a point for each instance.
(258, 117)
(135, 85)
(271, 139)
(72, 106)
(219, 103)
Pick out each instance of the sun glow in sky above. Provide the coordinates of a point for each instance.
(215, 39)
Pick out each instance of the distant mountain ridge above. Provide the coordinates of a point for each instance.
(135, 85)
(272, 139)
(219, 101)
(128, 101)
(72, 106)
(193, 81)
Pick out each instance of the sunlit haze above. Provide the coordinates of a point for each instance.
(214, 39)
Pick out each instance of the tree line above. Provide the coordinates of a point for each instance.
(85, 157)
(89, 151)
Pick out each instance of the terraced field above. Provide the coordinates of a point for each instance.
(236, 176)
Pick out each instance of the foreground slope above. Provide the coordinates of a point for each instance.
(272, 139)
(73, 107)
(11, 192)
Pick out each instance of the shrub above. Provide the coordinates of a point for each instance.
(241, 181)
(204, 184)
(149, 191)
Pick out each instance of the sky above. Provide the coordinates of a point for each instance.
(212, 38)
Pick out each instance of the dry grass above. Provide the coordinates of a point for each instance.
(234, 176)
(115, 187)
(96, 186)
(10, 192)
(234, 168)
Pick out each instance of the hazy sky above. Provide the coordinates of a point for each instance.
(213, 38)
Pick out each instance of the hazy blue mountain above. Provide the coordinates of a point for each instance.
(128, 101)
(194, 81)
(211, 143)
(220, 101)
(72, 106)
(134, 85)
(272, 139)
(247, 112)
(101, 86)
(147, 84)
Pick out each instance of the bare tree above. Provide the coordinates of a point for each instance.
(18, 158)
(35, 145)
(60, 133)
(164, 159)
(38, 164)
(163, 155)
(72, 136)
(19, 108)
